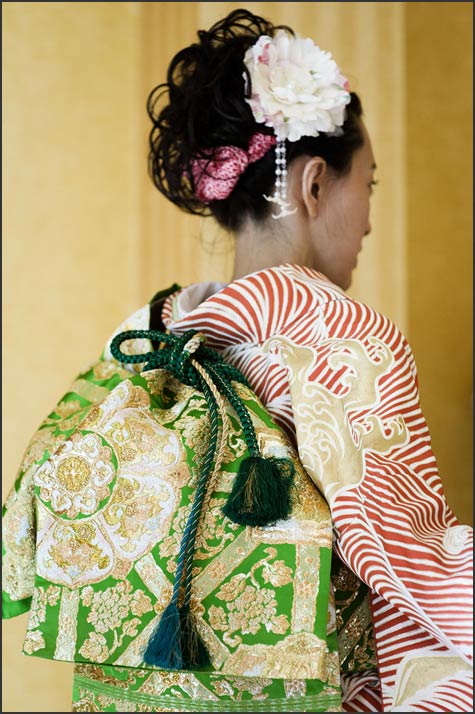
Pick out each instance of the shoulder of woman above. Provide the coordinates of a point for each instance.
(348, 318)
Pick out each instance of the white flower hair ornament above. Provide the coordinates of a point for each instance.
(298, 90)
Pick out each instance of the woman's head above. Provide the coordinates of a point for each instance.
(206, 109)
(333, 211)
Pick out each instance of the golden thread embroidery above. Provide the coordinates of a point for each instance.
(68, 612)
(306, 585)
(331, 445)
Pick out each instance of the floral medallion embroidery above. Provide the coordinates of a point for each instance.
(73, 555)
(123, 475)
(75, 480)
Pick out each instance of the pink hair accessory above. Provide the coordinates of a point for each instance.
(215, 177)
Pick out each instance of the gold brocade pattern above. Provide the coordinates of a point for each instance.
(18, 567)
(354, 623)
(301, 656)
(332, 440)
(248, 605)
(75, 480)
(112, 500)
(66, 641)
(306, 586)
(106, 688)
(42, 597)
(126, 526)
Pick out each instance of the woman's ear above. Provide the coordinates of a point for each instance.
(313, 176)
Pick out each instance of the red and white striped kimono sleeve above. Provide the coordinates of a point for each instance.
(364, 440)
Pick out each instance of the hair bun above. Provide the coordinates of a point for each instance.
(201, 107)
(205, 109)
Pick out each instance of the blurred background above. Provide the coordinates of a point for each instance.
(87, 239)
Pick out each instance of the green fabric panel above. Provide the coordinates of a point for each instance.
(12, 608)
(323, 592)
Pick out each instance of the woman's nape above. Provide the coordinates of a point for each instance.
(327, 230)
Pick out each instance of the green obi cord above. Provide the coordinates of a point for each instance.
(93, 535)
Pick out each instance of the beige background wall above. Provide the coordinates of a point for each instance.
(87, 239)
(439, 112)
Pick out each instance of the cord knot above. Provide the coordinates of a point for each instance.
(181, 352)
(194, 342)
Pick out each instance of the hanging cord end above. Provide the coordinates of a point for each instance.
(261, 492)
(195, 654)
(164, 647)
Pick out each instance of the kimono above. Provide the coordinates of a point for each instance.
(341, 382)
(342, 378)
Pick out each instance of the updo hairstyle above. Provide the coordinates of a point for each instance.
(206, 109)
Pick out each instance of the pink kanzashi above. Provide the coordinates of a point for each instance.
(216, 176)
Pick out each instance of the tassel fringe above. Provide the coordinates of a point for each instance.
(261, 492)
(164, 647)
(195, 654)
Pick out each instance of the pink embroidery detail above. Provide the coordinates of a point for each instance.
(215, 177)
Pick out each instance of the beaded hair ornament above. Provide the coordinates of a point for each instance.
(291, 86)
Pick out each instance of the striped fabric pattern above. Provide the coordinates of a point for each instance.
(393, 527)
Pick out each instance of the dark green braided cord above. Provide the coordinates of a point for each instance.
(246, 421)
(185, 558)
(194, 653)
(191, 652)
(175, 359)
(260, 493)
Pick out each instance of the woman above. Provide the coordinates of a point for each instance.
(259, 129)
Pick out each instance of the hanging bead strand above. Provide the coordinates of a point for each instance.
(280, 191)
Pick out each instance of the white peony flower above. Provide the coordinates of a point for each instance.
(296, 88)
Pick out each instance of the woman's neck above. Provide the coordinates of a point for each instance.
(260, 246)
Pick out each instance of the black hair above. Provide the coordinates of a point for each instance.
(206, 109)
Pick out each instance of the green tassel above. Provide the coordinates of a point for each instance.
(195, 654)
(164, 647)
(261, 492)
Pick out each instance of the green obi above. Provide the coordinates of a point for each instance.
(92, 530)
(100, 688)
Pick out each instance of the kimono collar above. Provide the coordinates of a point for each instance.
(250, 309)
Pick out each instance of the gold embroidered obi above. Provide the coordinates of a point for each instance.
(94, 524)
